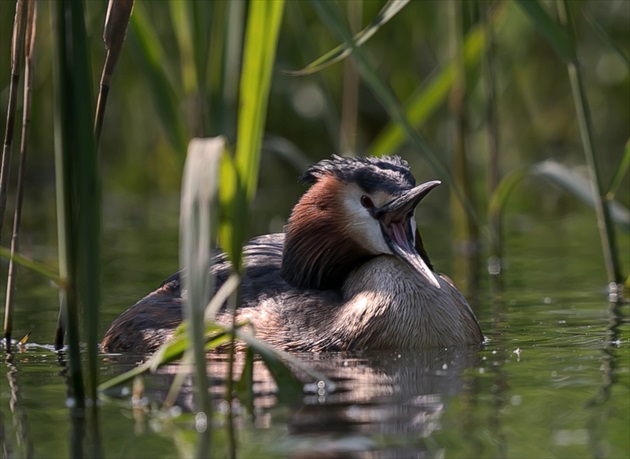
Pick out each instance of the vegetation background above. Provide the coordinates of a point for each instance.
(176, 78)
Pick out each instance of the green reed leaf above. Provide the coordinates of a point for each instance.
(499, 197)
(184, 28)
(606, 39)
(278, 358)
(435, 90)
(197, 228)
(579, 186)
(33, 265)
(621, 171)
(245, 385)
(290, 388)
(150, 57)
(331, 16)
(389, 10)
(263, 26)
(555, 34)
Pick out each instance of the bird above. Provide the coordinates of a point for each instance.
(349, 272)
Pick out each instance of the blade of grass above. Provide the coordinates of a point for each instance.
(606, 229)
(276, 358)
(263, 27)
(622, 169)
(495, 260)
(580, 187)
(503, 190)
(350, 98)
(168, 353)
(221, 296)
(434, 91)
(116, 24)
(245, 385)
(184, 28)
(80, 202)
(232, 33)
(241, 175)
(309, 47)
(69, 314)
(465, 231)
(558, 174)
(332, 17)
(605, 38)
(261, 40)
(26, 116)
(17, 46)
(150, 57)
(389, 10)
(198, 222)
(557, 37)
(34, 266)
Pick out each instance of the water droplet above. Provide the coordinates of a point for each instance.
(201, 422)
(494, 266)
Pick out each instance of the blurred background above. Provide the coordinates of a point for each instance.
(176, 79)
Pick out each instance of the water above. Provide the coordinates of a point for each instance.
(552, 380)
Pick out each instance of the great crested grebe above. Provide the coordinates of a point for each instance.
(349, 272)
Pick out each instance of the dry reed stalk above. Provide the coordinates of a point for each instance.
(17, 47)
(116, 24)
(31, 12)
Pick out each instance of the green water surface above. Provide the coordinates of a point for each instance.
(552, 380)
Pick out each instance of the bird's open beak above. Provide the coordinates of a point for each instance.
(395, 218)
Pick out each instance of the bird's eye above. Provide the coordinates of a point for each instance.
(366, 202)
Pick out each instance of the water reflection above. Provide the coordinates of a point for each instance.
(385, 405)
(598, 405)
(20, 418)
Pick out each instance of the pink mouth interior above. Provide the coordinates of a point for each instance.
(398, 233)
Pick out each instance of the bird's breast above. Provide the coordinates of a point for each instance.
(387, 305)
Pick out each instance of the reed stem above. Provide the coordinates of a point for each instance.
(116, 24)
(26, 118)
(78, 205)
(198, 224)
(350, 101)
(69, 314)
(604, 221)
(465, 230)
(495, 260)
(17, 47)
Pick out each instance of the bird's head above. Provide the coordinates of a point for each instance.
(355, 209)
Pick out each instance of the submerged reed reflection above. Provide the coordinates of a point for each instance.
(386, 404)
(20, 418)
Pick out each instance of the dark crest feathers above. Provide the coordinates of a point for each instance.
(389, 173)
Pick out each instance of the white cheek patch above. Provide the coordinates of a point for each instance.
(362, 227)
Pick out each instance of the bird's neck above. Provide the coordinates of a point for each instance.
(318, 252)
(388, 305)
